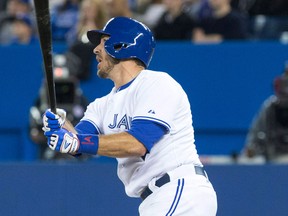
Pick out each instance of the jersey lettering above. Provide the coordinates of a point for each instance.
(111, 126)
(125, 122)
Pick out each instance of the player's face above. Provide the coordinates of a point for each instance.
(105, 62)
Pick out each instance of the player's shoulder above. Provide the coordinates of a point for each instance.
(153, 73)
(158, 76)
(150, 80)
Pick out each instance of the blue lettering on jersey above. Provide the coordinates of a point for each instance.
(111, 126)
(125, 121)
(151, 111)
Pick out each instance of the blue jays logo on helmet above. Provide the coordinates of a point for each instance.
(129, 39)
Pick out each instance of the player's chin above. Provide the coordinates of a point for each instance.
(102, 74)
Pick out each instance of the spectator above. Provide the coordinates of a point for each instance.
(225, 23)
(204, 10)
(266, 7)
(268, 134)
(152, 13)
(22, 31)
(175, 23)
(64, 17)
(139, 6)
(14, 9)
(268, 19)
(92, 15)
(196, 8)
(119, 8)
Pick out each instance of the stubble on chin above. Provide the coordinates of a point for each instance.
(104, 71)
(102, 74)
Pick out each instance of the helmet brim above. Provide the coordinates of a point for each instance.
(94, 36)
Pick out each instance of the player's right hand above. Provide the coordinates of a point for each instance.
(52, 121)
(62, 141)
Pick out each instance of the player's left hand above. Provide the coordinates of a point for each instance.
(62, 141)
(52, 121)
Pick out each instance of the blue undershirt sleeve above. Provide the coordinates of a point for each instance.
(86, 127)
(147, 132)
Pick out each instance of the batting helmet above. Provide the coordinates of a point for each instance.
(129, 39)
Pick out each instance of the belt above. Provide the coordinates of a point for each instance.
(165, 179)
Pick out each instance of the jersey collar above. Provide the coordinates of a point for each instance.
(124, 86)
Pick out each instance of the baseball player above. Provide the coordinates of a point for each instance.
(145, 122)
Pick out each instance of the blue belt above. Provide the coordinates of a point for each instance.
(165, 179)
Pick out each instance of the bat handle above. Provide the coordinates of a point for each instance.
(53, 109)
(51, 91)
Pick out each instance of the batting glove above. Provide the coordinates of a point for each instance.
(62, 141)
(52, 121)
(67, 142)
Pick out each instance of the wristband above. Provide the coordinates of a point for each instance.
(88, 143)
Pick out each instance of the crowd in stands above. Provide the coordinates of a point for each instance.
(16, 22)
(201, 21)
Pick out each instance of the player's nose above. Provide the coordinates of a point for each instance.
(96, 50)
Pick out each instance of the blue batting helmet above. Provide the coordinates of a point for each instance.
(129, 39)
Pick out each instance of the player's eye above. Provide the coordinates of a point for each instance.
(105, 38)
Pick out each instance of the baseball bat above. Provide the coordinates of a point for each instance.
(45, 36)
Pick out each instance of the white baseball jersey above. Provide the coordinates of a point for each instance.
(157, 97)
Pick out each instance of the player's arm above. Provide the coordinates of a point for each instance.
(135, 142)
(120, 145)
(199, 36)
(114, 145)
(68, 126)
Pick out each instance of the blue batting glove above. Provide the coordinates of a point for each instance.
(67, 142)
(52, 121)
(62, 141)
